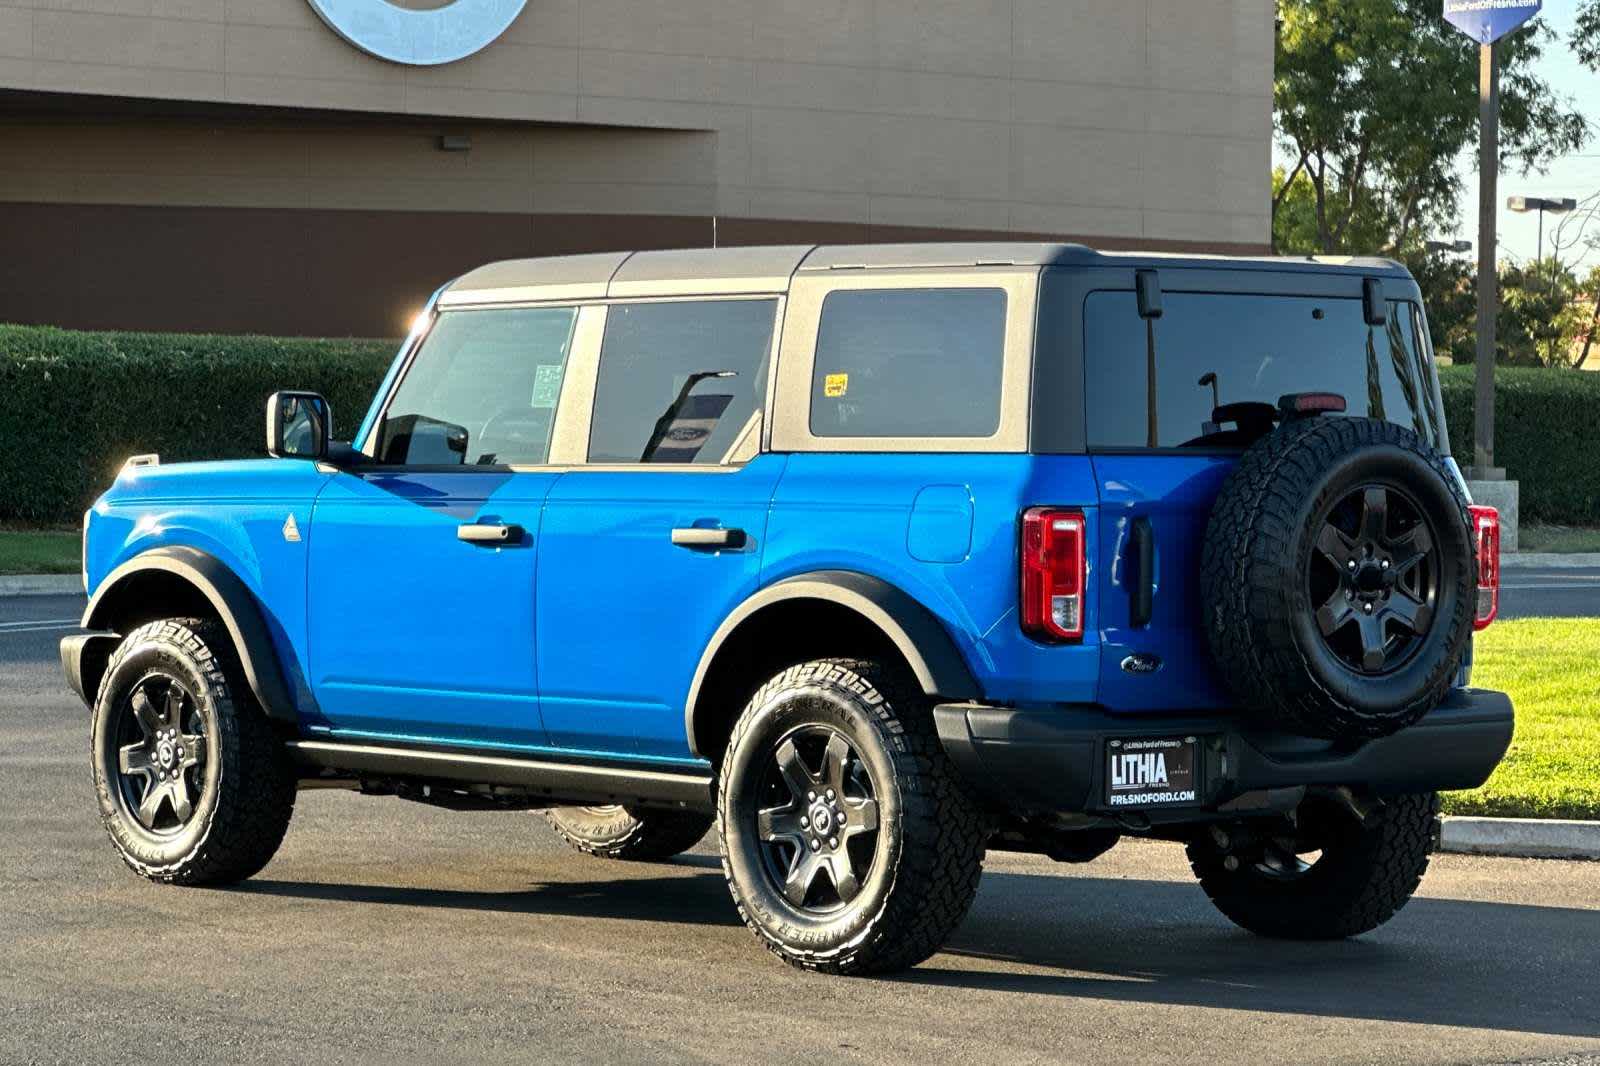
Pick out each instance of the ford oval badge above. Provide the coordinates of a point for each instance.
(1141, 662)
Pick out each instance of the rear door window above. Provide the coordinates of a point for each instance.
(1259, 348)
(481, 391)
(681, 381)
(909, 363)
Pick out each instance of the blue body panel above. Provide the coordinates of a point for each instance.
(413, 632)
(1174, 493)
(871, 513)
(623, 613)
(235, 511)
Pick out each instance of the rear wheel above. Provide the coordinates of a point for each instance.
(194, 786)
(1325, 875)
(848, 842)
(619, 832)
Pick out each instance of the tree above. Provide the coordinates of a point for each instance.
(1586, 35)
(1588, 328)
(1375, 101)
(1547, 315)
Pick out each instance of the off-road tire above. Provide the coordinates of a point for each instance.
(1259, 619)
(1356, 886)
(244, 808)
(640, 834)
(929, 853)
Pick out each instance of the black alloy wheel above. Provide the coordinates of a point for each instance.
(818, 823)
(1378, 583)
(1337, 579)
(1324, 874)
(849, 843)
(161, 737)
(193, 782)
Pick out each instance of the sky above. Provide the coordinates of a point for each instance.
(1575, 176)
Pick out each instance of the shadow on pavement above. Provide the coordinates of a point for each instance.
(1441, 962)
(698, 898)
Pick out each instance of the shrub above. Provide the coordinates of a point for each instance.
(1546, 435)
(74, 405)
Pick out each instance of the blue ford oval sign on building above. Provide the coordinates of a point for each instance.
(419, 38)
(1486, 21)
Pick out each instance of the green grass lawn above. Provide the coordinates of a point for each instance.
(1551, 668)
(38, 552)
(1542, 538)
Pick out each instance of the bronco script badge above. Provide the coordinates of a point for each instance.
(421, 38)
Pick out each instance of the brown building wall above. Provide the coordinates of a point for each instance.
(217, 164)
(324, 272)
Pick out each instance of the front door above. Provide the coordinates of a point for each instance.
(645, 550)
(422, 564)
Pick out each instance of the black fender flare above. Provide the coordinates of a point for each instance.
(234, 604)
(921, 638)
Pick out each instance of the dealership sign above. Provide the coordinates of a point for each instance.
(419, 38)
(1486, 21)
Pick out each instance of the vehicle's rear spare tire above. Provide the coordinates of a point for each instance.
(1338, 578)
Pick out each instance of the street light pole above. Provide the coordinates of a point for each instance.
(1488, 298)
(1541, 204)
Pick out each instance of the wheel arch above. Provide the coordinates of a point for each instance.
(175, 580)
(862, 612)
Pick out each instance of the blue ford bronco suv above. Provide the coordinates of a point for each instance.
(873, 557)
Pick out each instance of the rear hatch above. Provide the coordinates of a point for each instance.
(1223, 338)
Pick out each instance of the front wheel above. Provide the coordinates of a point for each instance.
(848, 842)
(194, 786)
(1327, 874)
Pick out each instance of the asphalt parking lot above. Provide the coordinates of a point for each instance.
(386, 931)
(1550, 592)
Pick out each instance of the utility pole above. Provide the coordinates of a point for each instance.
(1483, 467)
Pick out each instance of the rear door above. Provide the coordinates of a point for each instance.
(1225, 337)
(647, 547)
(422, 564)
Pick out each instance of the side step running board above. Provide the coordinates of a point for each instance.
(568, 782)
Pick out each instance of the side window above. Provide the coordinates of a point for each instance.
(1246, 348)
(680, 382)
(482, 390)
(909, 363)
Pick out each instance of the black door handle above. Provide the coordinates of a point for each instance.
(1142, 582)
(701, 538)
(490, 533)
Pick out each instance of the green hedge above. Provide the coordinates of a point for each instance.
(74, 405)
(1546, 435)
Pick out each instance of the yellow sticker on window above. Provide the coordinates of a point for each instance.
(835, 385)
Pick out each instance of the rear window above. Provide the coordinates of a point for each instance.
(909, 363)
(681, 381)
(1259, 348)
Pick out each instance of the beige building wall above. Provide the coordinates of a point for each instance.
(1119, 122)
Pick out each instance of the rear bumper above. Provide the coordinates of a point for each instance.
(1051, 760)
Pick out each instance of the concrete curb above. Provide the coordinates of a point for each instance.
(41, 585)
(1559, 560)
(1526, 838)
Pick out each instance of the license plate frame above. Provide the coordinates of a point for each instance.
(1151, 773)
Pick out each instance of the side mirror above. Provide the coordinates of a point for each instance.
(299, 425)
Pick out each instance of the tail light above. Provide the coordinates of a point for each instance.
(1486, 542)
(1052, 574)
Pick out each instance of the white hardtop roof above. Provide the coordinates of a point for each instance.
(749, 270)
